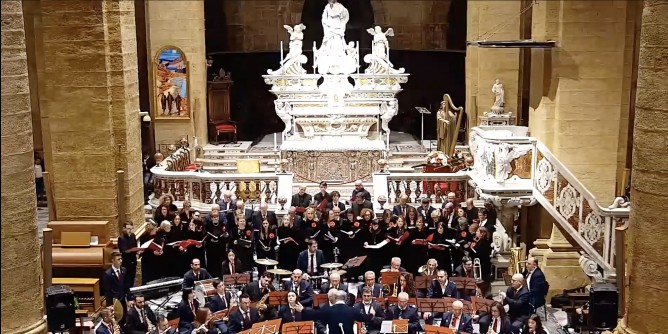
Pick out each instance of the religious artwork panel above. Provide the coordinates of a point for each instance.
(170, 68)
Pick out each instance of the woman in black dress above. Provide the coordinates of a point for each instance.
(242, 243)
(534, 325)
(168, 201)
(311, 228)
(481, 248)
(176, 254)
(330, 238)
(417, 252)
(288, 244)
(162, 214)
(195, 232)
(398, 235)
(186, 212)
(265, 244)
(377, 257)
(440, 248)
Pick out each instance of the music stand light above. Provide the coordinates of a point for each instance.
(298, 327)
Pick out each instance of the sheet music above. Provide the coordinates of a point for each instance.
(386, 326)
(146, 244)
(377, 246)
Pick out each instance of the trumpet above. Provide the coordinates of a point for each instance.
(394, 290)
(477, 270)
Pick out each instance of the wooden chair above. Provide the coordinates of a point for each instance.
(225, 127)
(218, 109)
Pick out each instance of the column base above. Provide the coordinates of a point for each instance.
(539, 251)
(38, 327)
(562, 270)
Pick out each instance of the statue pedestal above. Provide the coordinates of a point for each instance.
(506, 119)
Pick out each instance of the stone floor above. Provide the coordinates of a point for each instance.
(42, 220)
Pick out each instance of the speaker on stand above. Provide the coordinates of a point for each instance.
(603, 305)
(60, 315)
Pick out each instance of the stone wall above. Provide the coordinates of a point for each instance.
(580, 90)
(180, 24)
(258, 25)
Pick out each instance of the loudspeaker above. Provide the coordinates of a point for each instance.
(603, 301)
(60, 315)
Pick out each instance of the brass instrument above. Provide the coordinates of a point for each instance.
(477, 270)
(422, 269)
(394, 292)
(114, 322)
(364, 330)
(262, 302)
(515, 265)
(116, 309)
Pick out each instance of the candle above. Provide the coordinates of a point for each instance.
(281, 52)
(275, 147)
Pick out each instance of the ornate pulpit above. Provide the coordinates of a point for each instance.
(219, 111)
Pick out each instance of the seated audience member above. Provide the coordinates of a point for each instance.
(517, 299)
(457, 320)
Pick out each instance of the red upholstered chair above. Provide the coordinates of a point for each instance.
(226, 127)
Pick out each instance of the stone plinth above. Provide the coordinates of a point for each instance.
(22, 298)
(561, 265)
(501, 120)
(332, 166)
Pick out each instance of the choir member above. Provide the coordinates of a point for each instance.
(288, 244)
(425, 211)
(301, 199)
(215, 225)
(335, 202)
(481, 248)
(162, 213)
(417, 253)
(399, 235)
(177, 254)
(440, 246)
(196, 232)
(265, 243)
(168, 201)
(323, 194)
(127, 241)
(241, 242)
(330, 238)
(186, 212)
(374, 239)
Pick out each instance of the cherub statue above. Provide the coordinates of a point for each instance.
(296, 39)
(292, 63)
(379, 59)
(283, 111)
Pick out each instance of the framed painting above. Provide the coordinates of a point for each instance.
(170, 68)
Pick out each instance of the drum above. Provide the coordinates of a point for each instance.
(203, 290)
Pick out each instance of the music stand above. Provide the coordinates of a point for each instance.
(390, 278)
(394, 300)
(423, 111)
(277, 298)
(432, 305)
(482, 304)
(267, 327)
(298, 327)
(319, 298)
(431, 329)
(400, 326)
(354, 262)
(423, 282)
(236, 279)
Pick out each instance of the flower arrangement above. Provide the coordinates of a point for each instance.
(438, 158)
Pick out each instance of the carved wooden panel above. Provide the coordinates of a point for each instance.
(346, 166)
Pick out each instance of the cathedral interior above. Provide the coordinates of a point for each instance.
(574, 157)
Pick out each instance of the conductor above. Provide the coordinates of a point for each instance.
(339, 318)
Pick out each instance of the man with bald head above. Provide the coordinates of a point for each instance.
(334, 283)
(406, 311)
(262, 215)
(471, 211)
(456, 320)
(359, 188)
(302, 288)
(338, 318)
(517, 301)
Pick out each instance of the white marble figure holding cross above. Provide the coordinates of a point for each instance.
(379, 59)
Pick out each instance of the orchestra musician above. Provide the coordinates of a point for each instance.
(372, 309)
(536, 283)
(244, 317)
(394, 266)
(127, 241)
(430, 268)
(370, 283)
(309, 261)
(402, 310)
(465, 269)
(496, 322)
(265, 243)
(287, 313)
(258, 289)
(517, 299)
(456, 320)
(163, 326)
(302, 288)
(196, 273)
(201, 324)
(221, 300)
(187, 308)
(334, 283)
(139, 316)
(534, 325)
(407, 285)
(114, 284)
(216, 224)
(441, 287)
(106, 325)
(481, 248)
(232, 265)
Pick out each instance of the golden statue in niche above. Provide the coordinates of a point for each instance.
(448, 121)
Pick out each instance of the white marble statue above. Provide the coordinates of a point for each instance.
(498, 91)
(387, 111)
(292, 63)
(283, 110)
(500, 239)
(379, 59)
(334, 55)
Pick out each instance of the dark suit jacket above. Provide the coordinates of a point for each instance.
(189, 278)
(286, 316)
(102, 329)
(336, 317)
(397, 210)
(218, 304)
(342, 287)
(236, 322)
(231, 206)
(377, 288)
(305, 293)
(341, 206)
(302, 201)
(519, 304)
(319, 197)
(302, 260)
(367, 195)
(253, 290)
(257, 219)
(113, 287)
(459, 271)
(133, 323)
(186, 315)
(238, 267)
(505, 328)
(357, 209)
(435, 290)
(374, 321)
(409, 313)
(426, 215)
(537, 288)
(465, 323)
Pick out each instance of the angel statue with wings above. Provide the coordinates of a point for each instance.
(379, 59)
(292, 63)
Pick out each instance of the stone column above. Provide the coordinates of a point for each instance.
(646, 275)
(89, 105)
(580, 89)
(492, 20)
(181, 24)
(22, 295)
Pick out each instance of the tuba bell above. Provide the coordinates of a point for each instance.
(422, 269)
